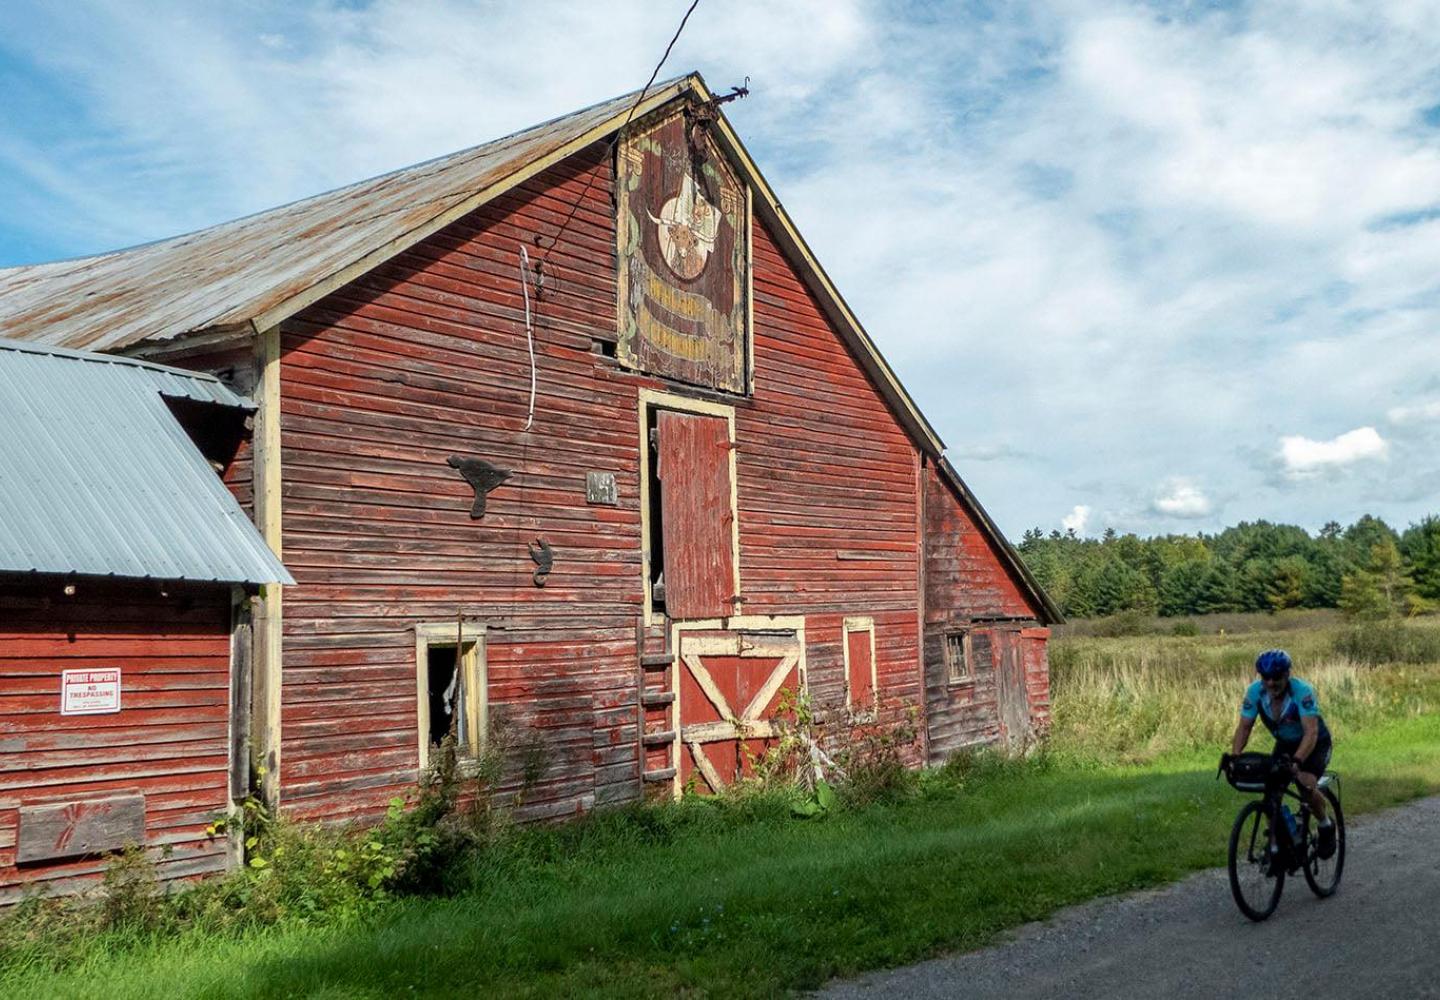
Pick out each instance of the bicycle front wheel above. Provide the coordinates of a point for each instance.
(1322, 875)
(1256, 879)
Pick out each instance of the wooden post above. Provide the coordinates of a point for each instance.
(921, 583)
(266, 683)
(242, 666)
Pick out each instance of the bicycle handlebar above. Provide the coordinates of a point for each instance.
(1281, 761)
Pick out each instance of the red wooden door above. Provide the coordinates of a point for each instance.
(729, 688)
(693, 467)
(860, 667)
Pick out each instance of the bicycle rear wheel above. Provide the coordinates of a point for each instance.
(1322, 875)
(1255, 882)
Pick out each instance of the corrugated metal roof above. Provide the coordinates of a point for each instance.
(232, 273)
(97, 477)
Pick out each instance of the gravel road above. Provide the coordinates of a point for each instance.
(1375, 938)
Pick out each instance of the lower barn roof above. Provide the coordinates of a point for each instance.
(97, 477)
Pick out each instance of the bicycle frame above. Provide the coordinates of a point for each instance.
(1273, 854)
(1275, 797)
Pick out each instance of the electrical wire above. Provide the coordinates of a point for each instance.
(525, 268)
(529, 329)
(609, 149)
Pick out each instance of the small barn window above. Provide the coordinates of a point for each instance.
(860, 670)
(958, 658)
(450, 687)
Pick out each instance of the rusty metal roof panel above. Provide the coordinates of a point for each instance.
(235, 272)
(97, 477)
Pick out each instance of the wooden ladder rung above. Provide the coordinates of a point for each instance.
(655, 739)
(664, 774)
(654, 699)
(654, 661)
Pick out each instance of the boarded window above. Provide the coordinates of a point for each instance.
(958, 657)
(450, 667)
(692, 473)
(860, 676)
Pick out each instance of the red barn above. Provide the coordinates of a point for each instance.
(570, 433)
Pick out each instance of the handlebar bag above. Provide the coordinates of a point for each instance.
(1248, 771)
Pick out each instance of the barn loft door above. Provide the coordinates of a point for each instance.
(693, 468)
(729, 688)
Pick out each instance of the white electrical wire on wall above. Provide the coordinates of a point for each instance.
(529, 329)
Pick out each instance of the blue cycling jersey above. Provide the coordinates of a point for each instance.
(1283, 720)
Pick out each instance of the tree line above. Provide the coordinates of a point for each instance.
(1368, 569)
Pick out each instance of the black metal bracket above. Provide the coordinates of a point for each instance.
(482, 477)
(544, 558)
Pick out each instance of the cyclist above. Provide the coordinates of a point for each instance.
(1288, 707)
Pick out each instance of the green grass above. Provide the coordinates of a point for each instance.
(1134, 699)
(748, 901)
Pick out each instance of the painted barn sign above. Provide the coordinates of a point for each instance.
(684, 267)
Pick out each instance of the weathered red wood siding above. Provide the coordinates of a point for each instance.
(827, 488)
(169, 742)
(967, 586)
(426, 357)
(381, 383)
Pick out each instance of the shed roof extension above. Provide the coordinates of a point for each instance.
(98, 478)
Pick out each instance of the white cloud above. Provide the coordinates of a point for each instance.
(1302, 458)
(1414, 413)
(1179, 497)
(1077, 519)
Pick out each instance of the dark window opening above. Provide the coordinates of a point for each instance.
(216, 430)
(656, 532)
(444, 683)
(604, 348)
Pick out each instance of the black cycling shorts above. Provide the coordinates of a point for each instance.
(1318, 760)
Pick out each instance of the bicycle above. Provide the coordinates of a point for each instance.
(1262, 850)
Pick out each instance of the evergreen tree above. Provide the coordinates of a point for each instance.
(1286, 586)
(1420, 544)
(1362, 537)
(1217, 589)
(1378, 589)
(1180, 589)
(1251, 566)
(1327, 566)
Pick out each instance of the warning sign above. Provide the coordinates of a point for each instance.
(90, 692)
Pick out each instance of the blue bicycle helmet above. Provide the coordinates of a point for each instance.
(1272, 663)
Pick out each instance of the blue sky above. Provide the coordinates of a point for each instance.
(1157, 267)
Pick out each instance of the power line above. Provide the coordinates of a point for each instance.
(555, 240)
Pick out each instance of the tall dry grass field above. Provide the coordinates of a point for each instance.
(1137, 698)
